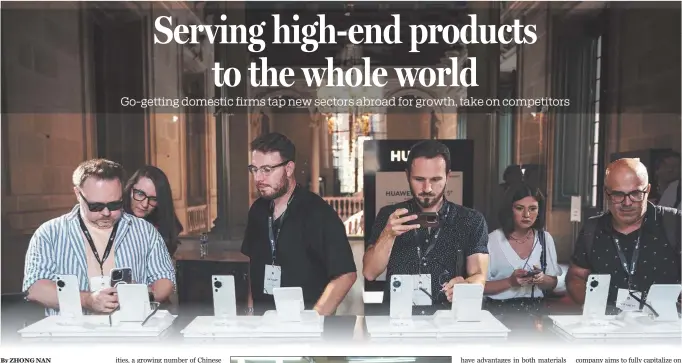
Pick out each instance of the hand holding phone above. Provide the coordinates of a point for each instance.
(520, 278)
(532, 273)
(399, 223)
(426, 219)
(104, 300)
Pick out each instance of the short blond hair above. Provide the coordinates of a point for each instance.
(102, 169)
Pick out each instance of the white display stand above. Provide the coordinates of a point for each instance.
(97, 326)
(485, 326)
(630, 325)
(441, 325)
(382, 327)
(270, 325)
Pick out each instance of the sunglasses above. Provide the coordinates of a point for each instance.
(98, 207)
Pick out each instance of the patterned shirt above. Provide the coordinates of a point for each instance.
(58, 248)
(461, 228)
(658, 261)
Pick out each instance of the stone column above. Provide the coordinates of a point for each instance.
(315, 157)
(232, 140)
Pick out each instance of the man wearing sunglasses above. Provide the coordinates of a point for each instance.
(630, 241)
(91, 240)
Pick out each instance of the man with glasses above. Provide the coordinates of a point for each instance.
(293, 237)
(629, 241)
(453, 252)
(91, 240)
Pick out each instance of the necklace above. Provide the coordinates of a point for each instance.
(521, 240)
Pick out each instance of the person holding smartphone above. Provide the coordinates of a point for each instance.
(404, 239)
(95, 238)
(523, 258)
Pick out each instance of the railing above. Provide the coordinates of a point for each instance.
(355, 224)
(197, 219)
(346, 206)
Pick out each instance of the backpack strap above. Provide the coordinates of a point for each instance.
(671, 225)
(679, 197)
(543, 258)
(543, 254)
(588, 233)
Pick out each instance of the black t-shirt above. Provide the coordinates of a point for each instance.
(312, 247)
(658, 263)
(461, 228)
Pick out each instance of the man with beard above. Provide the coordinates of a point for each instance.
(293, 237)
(95, 237)
(431, 255)
(630, 241)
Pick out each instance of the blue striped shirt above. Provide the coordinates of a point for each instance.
(58, 248)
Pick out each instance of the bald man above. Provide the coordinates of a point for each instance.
(631, 223)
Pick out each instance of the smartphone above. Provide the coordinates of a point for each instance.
(69, 296)
(426, 219)
(122, 275)
(596, 295)
(532, 273)
(401, 296)
(224, 298)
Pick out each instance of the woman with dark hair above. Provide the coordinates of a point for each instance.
(523, 259)
(148, 195)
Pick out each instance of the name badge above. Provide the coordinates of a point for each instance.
(422, 283)
(99, 282)
(625, 302)
(273, 278)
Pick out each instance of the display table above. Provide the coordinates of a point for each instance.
(96, 327)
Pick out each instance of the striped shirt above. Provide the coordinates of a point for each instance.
(58, 248)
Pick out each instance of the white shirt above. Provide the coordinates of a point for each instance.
(669, 195)
(504, 260)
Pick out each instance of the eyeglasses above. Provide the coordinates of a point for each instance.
(266, 169)
(140, 196)
(619, 197)
(526, 211)
(98, 207)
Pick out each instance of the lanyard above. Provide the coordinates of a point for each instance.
(431, 238)
(630, 271)
(271, 232)
(107, 250)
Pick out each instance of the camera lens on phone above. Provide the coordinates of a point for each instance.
(61, 283)
(218, 284)
(397, 283)
(117, 275)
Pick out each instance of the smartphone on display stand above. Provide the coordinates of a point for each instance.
(69, 296)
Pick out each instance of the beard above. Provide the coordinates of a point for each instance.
(427, 200)
(278, 190)
(105, 223)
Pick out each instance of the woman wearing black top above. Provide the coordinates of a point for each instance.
(148, 195)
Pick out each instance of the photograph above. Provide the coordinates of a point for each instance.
(195, 181)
